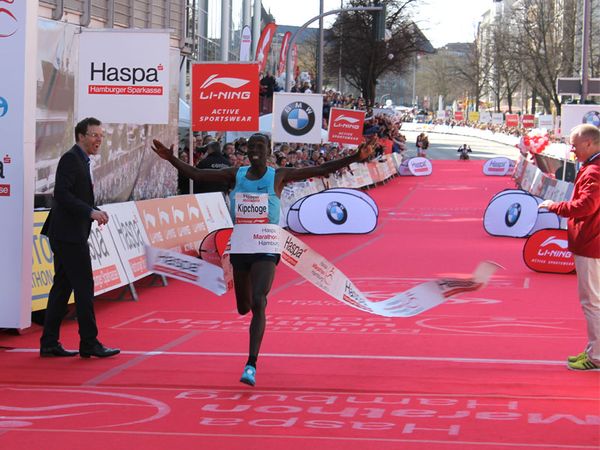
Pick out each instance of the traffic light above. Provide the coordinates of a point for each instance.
(379, 22)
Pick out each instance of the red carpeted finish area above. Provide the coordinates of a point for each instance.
(485, 370)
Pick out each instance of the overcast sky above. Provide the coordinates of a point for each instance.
(442, 21)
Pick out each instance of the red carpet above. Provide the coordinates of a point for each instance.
(486, 370)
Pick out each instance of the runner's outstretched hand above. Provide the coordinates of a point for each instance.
(161, 150)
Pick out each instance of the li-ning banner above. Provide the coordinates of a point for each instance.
(225, 97)
(547, 251)
(346, 126)
(124, 76)
(297, 117)
(18, 30)
(324, 275)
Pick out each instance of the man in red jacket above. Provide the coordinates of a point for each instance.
(583, 211)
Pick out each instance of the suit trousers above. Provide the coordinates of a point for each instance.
(588, 283)
(72, 273)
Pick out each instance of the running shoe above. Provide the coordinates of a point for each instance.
(249, 376)
(572, 359)
(583, 364)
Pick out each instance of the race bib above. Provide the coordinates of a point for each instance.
(251, 208)
(256, 238)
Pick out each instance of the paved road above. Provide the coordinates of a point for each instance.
(445, 146)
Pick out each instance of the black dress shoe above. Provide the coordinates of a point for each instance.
(57, 350)
(98, 350)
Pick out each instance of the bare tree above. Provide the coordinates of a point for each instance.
(540, 45)
(474, 72)
(366, 59)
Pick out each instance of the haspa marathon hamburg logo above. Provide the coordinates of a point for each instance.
(547, 251)
(225, 97)
(127, 80)
(8, 21)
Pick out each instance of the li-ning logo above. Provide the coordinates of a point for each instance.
(350, 122)
(8, 21)
(556, 241)
(234, 83)
(512, 214)
(126, 74)
(562, 251)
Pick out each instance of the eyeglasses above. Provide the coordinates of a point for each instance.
(95, 135)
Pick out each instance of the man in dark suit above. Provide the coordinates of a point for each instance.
(68, 227)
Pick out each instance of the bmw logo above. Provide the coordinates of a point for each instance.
(593, 118)
(512, 214)
(298, 118)
(336, 212)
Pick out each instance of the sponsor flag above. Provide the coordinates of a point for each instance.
(459, 115)
(285, 43)
(546, 122)
(295, 56)
(245, 43)
(297, 117)
(473, 116)
(547, 251)
(225, 97)
(346, 126)
(264, 45)
(124, 76)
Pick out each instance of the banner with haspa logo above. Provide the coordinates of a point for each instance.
(18, 29)
(346, 126)
(124, 76)
(225, 97)
(297, 117)
(129, 236)
(499, 166)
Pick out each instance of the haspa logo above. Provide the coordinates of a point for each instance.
(4, 190)
(292, 252)
(131, 75)
(3, 106)
(547, 251)
(233, 83)
(346, 122)
(8, 21)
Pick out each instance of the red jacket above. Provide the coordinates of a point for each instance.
(583, 211)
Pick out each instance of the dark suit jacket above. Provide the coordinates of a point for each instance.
(69, 219)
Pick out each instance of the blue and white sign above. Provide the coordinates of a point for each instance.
(297, 117)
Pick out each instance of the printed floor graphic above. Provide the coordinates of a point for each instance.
(485, 370)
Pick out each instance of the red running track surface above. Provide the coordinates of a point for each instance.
(485, 370)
